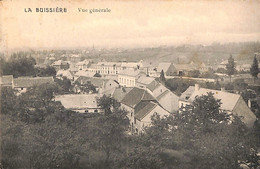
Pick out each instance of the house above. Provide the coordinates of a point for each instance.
(60, 64)
(84, 73)
(83, 65)
(64, 73)
(74, 58)
(132, 65)
(201, 66)
(82, 103)
(143, 113)
(167, 67)
(183, 69)
(120, 92)
(141, 105)
(150, 69)
(143, 81)
(107, 68)
(6, 81)
(96, 81)
(128, 78)
(166, 98)
(232, 103)
(108, 86)
(21, 84)
(243, 67)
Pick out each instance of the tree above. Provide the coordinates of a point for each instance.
(162, 77)
(19, 64)
(64, 85)
(199, 136)
(110, 130)
(231, 67)
(254, 70)
(48, 71)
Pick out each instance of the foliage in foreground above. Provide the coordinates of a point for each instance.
(37, 132)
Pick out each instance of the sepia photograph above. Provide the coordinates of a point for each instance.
(134, 84)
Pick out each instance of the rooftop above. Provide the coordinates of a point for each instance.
(31, 81)
(144, 108)
(6, 80)
(78, 101)
(136, 95)
(228, 100)
(163, 66)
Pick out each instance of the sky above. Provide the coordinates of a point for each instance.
(129, 24)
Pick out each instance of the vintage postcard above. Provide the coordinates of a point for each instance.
(131, 84)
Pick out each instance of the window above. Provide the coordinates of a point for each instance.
(95, 110)
(86, 111)
(131, 114)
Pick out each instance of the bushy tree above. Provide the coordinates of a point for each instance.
(199, 136)
(19, 64)
(110, 131)
(48, 71)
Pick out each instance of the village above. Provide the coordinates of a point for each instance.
(129, 84)
(141, 88)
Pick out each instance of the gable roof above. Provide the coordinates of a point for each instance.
(153, 85)
(84, 62)
(163, 94)
(120, 92)
(96, 81)
(60, 62)
(143, 108)
(188, 92)
(66, 73)
(6, 80)
(31, 81)
(78, 101)
(85, 73)
(136, 95)
(228, 100)
(163, 66)
(132, 73)
(187, 67)
(145, 80)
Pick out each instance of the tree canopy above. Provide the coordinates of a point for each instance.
(254, 70)
(231, 67)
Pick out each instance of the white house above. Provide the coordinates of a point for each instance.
(167, 99)
(128, 78)
(82, 103)
(232, 103)
(141, 105)
(21, 84)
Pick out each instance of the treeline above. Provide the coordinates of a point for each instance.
(37, 132)
(23, 64)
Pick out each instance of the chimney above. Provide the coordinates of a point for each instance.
(222, 89)
(249, 103)
(197, 87)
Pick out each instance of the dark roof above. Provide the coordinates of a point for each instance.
(6, 80)
(119, 93)
(162, 94)
(31, 81)
(143, 108)
(96, 81)
(136, 95)
(153, 85)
